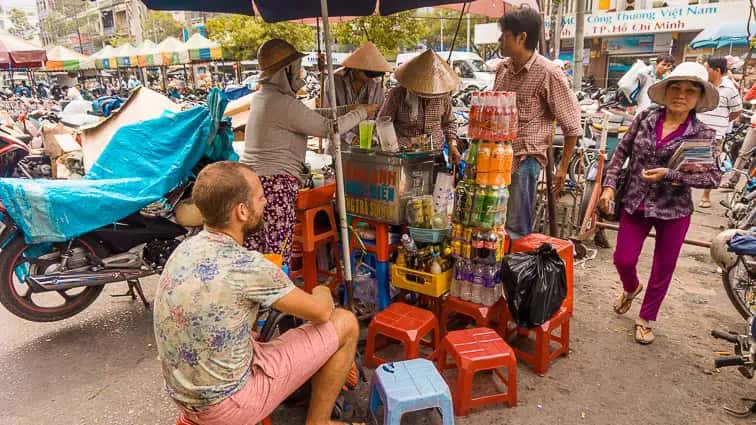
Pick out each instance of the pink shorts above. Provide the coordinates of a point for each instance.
(279, 368)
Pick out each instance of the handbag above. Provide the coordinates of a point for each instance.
(623, 181)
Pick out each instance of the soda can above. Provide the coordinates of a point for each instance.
(467, 250)
(467, 234)
(457, 248)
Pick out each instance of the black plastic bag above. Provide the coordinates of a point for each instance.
(535, 285)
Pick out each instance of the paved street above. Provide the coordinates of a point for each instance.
(101, 368)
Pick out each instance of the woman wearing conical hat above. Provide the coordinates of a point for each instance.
(359, 81)
(421, 104)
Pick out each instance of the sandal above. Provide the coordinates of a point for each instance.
(625, 300)
(644, 335)
(704, 204)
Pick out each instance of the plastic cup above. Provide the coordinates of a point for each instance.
(366, 134)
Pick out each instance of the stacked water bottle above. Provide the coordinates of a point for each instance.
(480, 200)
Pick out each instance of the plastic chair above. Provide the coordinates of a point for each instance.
(310, 236)
(482, 315)
(409, 386)
(543, 356)
(404, 323)
(475, 350)
(380, 247)
(565, 250)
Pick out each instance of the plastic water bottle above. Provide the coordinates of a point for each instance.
(479, 271)
(458, 279)
(489, 293)
(465, 291)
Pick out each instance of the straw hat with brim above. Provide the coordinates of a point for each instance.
(274, 55)
(427, 74)
(687, 71)
(367, 58)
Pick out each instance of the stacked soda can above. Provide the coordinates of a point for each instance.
(480, 200)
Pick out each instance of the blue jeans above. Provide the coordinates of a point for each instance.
(522, 193)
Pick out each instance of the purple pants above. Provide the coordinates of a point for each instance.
(633, 230)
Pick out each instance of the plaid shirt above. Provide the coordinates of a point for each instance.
(542, 96)
(669, 198)
(434, 117)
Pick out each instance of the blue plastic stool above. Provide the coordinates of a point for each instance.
(409, 386)
(382, 276)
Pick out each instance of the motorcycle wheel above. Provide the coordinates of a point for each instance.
(733, 284)
(18, 298)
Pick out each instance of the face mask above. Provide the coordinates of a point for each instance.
(296, 76)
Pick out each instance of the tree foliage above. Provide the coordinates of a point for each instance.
(390, 33)
(241, 36)
(20, 26)
(448, 19)
(160, 25)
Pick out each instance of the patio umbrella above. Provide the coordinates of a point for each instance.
(173, 51)
(202, 49)
(731, 34)
(105, 58)
(18, 53)
(287, 10)
(126, 56)
(60, 58)
(491, 8)
(148, 54)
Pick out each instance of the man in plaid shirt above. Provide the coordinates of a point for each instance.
(543, 96)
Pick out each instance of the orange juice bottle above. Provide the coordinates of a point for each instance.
(484, 157)
(506, 169)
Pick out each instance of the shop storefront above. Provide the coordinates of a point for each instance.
(617, 39)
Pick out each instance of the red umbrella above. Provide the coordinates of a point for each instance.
(18, 53)
(491, 8)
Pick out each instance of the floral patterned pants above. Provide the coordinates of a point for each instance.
(279, 216)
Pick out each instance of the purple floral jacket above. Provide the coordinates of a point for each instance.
(669, 198)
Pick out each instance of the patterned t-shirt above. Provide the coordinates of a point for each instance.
(205, 310)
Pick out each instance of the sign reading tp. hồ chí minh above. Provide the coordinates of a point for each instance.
(645, 21)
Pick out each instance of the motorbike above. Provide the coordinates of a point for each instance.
(45, 282)
(744, 358)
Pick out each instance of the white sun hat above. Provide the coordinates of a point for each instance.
(687, 71)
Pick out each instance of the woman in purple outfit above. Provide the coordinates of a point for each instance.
(658, 196)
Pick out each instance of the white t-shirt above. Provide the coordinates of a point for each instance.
(729, 102)
(73, 94)
(646, 79)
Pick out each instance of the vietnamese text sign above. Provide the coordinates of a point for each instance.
(646, 21)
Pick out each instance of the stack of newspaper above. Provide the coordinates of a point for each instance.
(692, 156)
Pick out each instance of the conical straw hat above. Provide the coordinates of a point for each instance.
(367, 58)
(427, 74)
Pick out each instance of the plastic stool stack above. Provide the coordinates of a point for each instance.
(541, 359)
(310, 237)
(476, 350)
(381, 250)
(404, 323)
(482, 315)
(409, 386)
(565, 250)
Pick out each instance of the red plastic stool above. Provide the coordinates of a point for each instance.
(403, 323)
(184, 421)
(563, 247)
(475, 350)
(380, 247)
(481, 314)
(541, 359)
(310, 237)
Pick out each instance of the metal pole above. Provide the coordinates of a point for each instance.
(615, 227)
(442, 31)
(336, 138)
(577, 68)
(468, 31)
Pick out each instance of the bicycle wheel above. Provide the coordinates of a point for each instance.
(740, 288)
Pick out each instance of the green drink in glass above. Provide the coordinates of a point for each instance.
(366, 134)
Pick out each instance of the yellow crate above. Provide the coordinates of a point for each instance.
(434, 285)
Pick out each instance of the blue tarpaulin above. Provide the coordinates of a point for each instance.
(142, 163)
(723, 35)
